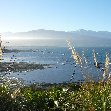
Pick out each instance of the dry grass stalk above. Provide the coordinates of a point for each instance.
(1, 54)
(84, 58)
(106, 69)
(95, 60)
(75, 55)
(81, 61)
(1, 50)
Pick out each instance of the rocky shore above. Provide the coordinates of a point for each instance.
(14, 50)
(21, 66)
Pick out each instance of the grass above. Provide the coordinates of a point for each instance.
(69, 97)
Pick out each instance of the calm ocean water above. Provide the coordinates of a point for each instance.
(63, 68)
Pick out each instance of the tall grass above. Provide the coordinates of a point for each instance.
(94, 96)
(106, 69)
(1, 54)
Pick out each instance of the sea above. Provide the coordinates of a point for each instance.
(63, 67)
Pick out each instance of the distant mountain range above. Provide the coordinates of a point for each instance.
(81, 37)
(59, 34)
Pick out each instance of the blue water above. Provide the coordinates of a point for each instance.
(63, 66)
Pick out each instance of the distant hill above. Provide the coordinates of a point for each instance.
(41, 33)
(81, 37)
(58, 34)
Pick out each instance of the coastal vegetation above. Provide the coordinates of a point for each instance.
(61, 97)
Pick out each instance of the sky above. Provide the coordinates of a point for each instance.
(60, 15)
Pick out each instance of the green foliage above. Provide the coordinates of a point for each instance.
(94, 97)
(87, 97)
